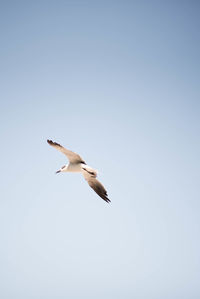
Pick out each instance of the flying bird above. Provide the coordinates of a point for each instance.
(77, 164)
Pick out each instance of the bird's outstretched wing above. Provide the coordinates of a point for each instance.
(72, 157)
(95, 184)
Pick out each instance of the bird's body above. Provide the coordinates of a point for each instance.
(72, 167)
(76, 167)
(77, 164)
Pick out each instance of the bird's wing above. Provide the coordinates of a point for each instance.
(95, 184)
(73, 157)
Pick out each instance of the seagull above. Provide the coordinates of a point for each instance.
(77, 164)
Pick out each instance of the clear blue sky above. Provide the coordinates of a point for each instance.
(117, 82)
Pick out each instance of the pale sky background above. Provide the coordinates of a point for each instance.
(117, 82)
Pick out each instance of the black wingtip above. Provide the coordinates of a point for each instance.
(52, 143)
(106, 199)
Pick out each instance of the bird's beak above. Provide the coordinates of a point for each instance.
(58, 171)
